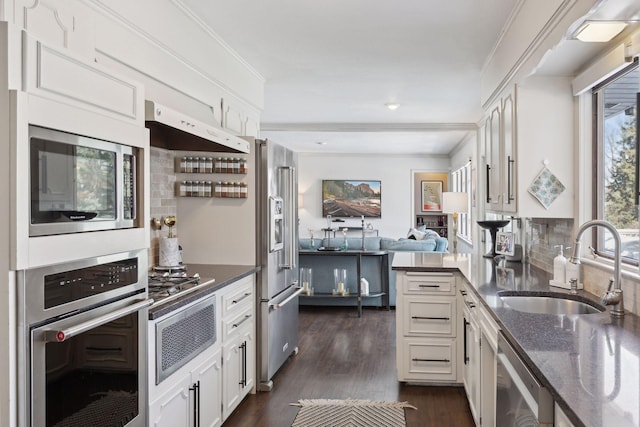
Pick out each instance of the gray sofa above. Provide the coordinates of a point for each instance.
(323, 266)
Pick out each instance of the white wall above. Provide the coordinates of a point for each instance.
(394, 172)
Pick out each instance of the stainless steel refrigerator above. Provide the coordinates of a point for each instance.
(277, 255)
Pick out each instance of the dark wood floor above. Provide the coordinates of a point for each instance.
(342, 356)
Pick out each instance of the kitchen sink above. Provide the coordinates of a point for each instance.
(550, 303)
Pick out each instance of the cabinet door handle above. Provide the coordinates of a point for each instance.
(469, 304)
(464, 339)
(246, 295)
(243, 380)
(428, 286)
(430, 318)
(510, 161)
(417, 359)
(196, 403)
(244, 319)
(488, 187)
(463, 292)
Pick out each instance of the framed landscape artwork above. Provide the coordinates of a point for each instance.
(347, 199)
(431, 196)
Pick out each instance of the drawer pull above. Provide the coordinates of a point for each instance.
(246, 295)
(428, 286)
(415, 359)
(463, 292)
(469, 304)
(430, 318)
(246, 317)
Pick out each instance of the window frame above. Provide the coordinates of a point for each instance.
(461, 182)
(598, 146)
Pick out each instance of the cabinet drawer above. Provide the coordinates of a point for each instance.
(238, 297)
(422, 316)
(427, 359)
(235, 323)
(431, 283)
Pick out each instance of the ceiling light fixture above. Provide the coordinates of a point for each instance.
(392, 106)
(599, 31)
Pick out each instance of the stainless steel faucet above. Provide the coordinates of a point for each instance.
(609, 297)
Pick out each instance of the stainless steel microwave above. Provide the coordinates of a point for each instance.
(79, 183)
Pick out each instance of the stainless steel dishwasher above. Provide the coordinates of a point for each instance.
(520, 398)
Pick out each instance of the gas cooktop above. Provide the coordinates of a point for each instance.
(168, 283)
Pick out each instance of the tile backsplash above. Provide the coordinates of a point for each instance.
(163, 199)
(542, 234)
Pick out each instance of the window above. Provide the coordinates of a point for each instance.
(461, 179)
(616, 148)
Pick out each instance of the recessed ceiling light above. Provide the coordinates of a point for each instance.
(392, 106)
(599, 31)
(321, 143)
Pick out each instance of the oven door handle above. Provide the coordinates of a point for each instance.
(60, 335)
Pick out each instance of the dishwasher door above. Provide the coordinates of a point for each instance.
(520, 398)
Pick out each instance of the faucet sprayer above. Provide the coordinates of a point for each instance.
(609, 297)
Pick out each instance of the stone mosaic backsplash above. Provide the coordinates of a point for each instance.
(163, 199)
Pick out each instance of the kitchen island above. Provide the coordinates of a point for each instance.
(589, 363)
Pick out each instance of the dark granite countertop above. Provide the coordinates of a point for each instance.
(590, 363)
(213, 277)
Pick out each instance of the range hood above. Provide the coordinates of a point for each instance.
(173, 130)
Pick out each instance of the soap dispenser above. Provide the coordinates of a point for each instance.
(560, 267)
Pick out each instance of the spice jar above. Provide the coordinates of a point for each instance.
(218, 165)
(244, 190)
(218, 189)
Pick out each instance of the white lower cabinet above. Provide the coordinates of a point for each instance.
(238, 344)
(191, 401)
(471, 355)
(239, 370)
(480, 341)
(207, 389)
(426, 345)
(208, 377)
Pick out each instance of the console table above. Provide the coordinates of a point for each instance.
(357, 256)
(331, 232)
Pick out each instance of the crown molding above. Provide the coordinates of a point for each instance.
(368, 127)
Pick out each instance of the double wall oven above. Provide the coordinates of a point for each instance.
(82, 342)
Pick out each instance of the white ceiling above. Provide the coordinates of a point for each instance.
(330, 66)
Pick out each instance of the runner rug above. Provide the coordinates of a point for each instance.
(349, 413)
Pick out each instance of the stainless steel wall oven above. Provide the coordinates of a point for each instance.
(82, 342)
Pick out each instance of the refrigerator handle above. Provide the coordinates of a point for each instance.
(287, 300)
(287, 182)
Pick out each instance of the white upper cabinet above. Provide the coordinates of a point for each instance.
(510, 190)
(532, 121)
(493, 182)
(62, 24)
(62, 75)
(233, 116)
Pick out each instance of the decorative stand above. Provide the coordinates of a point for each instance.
(493, 227)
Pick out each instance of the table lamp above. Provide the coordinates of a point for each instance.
(455, 203)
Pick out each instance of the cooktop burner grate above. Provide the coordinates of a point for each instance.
(163, 285)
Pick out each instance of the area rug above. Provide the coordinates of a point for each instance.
(349, 413)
